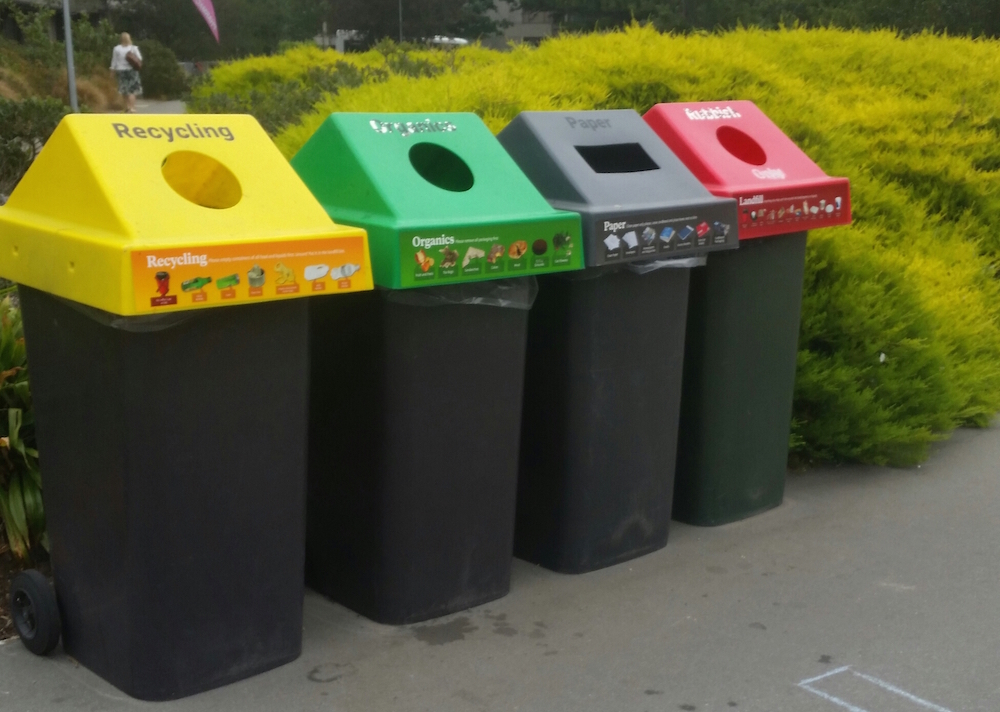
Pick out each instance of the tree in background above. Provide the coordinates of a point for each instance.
(975, 17)
(259, 26)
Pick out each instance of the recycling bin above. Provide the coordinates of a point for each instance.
(411, 515)
(744, 309)
(605, 346)
(160, 260)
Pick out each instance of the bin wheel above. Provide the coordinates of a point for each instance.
(35, 612)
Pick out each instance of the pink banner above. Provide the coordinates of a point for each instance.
(208, 12)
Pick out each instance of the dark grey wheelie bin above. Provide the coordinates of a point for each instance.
(606, 345)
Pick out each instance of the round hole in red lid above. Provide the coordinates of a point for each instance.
(741, 145)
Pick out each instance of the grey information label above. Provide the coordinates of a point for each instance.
(652, 236)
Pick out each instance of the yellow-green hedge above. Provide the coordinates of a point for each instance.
(901, 322)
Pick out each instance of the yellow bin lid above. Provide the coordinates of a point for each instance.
(142, 214)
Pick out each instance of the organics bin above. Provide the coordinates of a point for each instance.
(605, 346)
(411, 515)
(743, 319)
(170, 404)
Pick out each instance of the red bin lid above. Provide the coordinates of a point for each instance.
(737, 152)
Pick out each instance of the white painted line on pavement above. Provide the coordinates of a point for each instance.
(811, 680)
(806, 685)
(831, 698)
(902, 693)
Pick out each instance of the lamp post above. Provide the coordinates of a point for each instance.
(70, 68)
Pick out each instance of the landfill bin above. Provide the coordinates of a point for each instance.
(411, 515)
(743, 319)
(170, 405)
(605, 345)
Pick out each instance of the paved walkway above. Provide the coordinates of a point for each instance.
(152, 106)
(869, 590)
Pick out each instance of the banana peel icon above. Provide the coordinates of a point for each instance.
(284, 275)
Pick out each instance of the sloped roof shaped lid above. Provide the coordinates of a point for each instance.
(645, 173)
(733, 146)
(106, 173)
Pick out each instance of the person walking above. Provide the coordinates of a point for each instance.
(126, 60)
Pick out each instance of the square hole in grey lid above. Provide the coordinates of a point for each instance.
(594, 159)
(617, 158)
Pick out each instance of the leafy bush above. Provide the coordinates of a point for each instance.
(279, 89)
(37, 66)
(277, 102)
(21, 510)
(24, 127)
(162, 76)
(914, 123)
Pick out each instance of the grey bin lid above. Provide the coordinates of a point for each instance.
(637, 200)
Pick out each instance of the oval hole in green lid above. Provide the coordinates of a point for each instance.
(441, 167)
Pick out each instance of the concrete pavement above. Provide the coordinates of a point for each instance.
(869, 590)
(155, 106)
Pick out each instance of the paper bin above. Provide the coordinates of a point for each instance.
(605, 345)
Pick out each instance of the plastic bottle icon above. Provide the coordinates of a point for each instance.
(162, 283)
(344, 271)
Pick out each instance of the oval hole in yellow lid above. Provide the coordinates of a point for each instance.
(201, 179)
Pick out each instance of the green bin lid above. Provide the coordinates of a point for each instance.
(441, 199)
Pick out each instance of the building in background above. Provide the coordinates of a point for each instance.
(524, 26)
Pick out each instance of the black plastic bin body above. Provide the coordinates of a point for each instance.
(412, 481)
(739, 380)
(599, 432)
(174, 466)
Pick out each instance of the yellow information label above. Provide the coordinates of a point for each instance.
(217, 275)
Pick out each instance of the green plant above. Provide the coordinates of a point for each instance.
(24, 127)
(276, 100)
(20, 479)
(162, 76)
(913, 122)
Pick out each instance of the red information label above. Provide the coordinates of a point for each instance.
(163, 301)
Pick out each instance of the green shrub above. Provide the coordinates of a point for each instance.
(162, 76)
(275, 101)
(279, 89)
(24, 127)
(914, 123)
(869, 362)
(21, 510)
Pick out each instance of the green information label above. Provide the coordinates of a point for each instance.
(490, 252)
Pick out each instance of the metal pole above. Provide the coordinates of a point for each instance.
(70, 68)
(400, 21)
